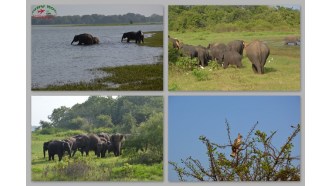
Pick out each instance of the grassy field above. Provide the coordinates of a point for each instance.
(130, 77)
(88, 168)
(282, 69)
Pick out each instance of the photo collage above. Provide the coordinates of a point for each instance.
(165, 93)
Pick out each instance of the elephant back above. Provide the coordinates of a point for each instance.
(237, 45)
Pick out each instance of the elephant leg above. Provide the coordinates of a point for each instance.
(74, 152)
(127, 40)
(259, 69)
(254, 68)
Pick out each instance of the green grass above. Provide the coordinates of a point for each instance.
(131, 77)
(155, 41)
(88, 168)
(282, 70)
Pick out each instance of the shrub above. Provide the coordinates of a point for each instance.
(173, 54)
(201, 75)
(187, 64)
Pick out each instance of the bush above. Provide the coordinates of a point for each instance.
(187, 64)
(173, 54)
(214, 65)
(201, 75)
(148, 158)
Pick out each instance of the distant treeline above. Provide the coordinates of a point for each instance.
(233, 18)
(124, 114)
(129, 18)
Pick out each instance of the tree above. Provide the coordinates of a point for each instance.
(257, 159)
(45, 124)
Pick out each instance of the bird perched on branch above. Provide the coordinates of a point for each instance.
(236, 146)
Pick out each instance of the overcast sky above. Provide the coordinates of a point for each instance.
(43, 106)
(107, 9)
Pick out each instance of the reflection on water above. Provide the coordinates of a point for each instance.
(56, 61)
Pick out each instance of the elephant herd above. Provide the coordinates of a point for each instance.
(225, 55)
(88, 39)
(99, 143)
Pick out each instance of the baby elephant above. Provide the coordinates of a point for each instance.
(232, 58)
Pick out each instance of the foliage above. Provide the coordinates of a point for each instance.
(146, 141)
(200, 74)
(214, 65)
(258, 159)
(186, 63)
(128, 18)
(173, 53)
(104, 114)
(185, 18)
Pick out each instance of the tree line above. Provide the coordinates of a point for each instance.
(124, 114)
(128, 18)
(233, 18)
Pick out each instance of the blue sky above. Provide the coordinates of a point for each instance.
(193, 116)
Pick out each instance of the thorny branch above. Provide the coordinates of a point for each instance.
(252, 162)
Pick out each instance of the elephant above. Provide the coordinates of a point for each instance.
(196, 51)
(237, 45)
(45, 147)
(86, 39)
(72, 143)
(232, 58)
(257, 52)
(117, 141)
(295, 40)
(58, 147)
(203, 55)
(95, 144)
(82, 144)
(104, 135)
(217, 51)
(96, 40)
(137, 36)
(103, 147)
(175, 42)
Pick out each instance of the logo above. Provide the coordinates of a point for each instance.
(43, 12)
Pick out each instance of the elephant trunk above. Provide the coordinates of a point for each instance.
(72, 42)
(122, 39)
(44, 152)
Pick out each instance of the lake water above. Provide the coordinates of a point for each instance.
(56, 61)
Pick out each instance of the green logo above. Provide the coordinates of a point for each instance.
(44, 12)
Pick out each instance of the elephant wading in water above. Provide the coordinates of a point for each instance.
(257, 52)
(96, 40)
(58, 147)
(85, 39)
(137, 36)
